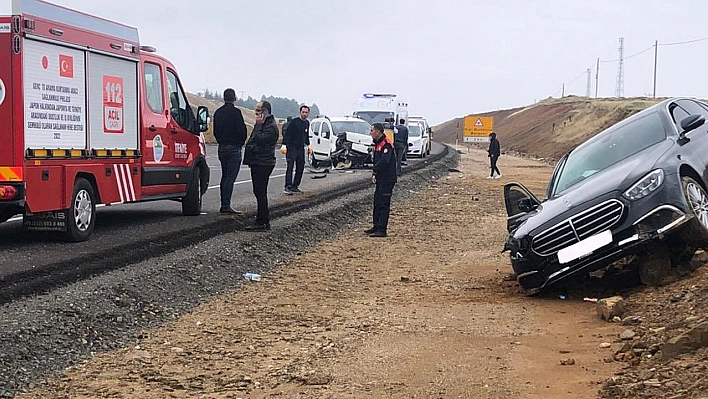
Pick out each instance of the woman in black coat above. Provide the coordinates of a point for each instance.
(259, 155)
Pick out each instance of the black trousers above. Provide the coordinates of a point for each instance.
(260, 174)
(382, 205)
(295, 158)
(493, 159)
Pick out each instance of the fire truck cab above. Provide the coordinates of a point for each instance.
(89, 116)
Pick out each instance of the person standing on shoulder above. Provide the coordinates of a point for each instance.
(230, 133)
(400, 143)
(384, 176)
(494, 152)
(260, 156)
(295, 139)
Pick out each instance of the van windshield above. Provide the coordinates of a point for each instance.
(608, 148)
(374, 116)
(351, 126)
(414, 131)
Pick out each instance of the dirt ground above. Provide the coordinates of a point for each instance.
(424, 313)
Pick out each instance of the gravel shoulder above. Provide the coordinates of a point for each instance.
(427, 312)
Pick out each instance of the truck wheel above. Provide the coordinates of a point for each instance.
(81, 216)
(696, 229)
(192, 202)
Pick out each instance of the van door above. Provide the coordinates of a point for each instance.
(320, 151)
(327, 138)
(156, 140)
(182, 125)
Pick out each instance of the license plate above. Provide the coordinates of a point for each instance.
(584, 247)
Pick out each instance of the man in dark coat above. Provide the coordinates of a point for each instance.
(400, 143)
(260, 156)
(295, 139)
(494, 151)
(384, 176)
(230, 133)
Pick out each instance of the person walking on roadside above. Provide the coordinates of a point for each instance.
(259, 155)
(400, 143)
(384, 176)
(493, 152)
(230, 133)
(295, 139)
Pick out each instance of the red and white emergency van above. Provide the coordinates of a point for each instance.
(87, 117)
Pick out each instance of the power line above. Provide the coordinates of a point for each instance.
(686, 42)
(633, 55)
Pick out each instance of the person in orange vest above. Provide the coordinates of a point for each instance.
(384, 176)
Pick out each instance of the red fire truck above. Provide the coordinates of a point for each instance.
(89, 116)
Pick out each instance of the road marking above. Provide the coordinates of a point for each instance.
(246, 181)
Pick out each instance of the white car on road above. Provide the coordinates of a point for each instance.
(418, 142)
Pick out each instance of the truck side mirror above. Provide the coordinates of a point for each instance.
(203, 118)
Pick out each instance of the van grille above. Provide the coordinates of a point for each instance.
(579, 227)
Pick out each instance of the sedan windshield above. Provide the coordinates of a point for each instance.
(351, 126)
(414, 131)
(374, 116)
(607, 149)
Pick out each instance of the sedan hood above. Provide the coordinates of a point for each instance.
(618, 177)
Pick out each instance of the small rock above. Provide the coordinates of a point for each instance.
(627, 335)
(631, 320)
(608, 308)
(605, 345)
(405, 279)
(567, 362)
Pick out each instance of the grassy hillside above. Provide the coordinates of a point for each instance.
(552, 127)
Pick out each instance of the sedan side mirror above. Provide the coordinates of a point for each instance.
(203, 118)
(692, 122)
(526, 205)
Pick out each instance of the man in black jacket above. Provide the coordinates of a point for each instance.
(230, 133)
(260, 156)
(400, 142)
(384, 176)
(294, 139)
(494, 152)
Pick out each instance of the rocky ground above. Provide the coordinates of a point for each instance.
(429, 312)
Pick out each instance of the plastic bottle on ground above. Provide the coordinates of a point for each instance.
(252, 276)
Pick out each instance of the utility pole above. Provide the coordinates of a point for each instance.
(589, 86)
(619, 88)
(563, 91)
(597, 76)
(243, 93)
(656, 55)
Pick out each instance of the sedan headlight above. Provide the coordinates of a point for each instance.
(646, 185)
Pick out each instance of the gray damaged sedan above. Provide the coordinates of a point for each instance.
(637, 188)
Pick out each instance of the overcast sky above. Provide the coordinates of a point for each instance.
(447, 58)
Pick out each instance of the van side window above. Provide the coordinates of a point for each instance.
(324, 133)
(315, 129)
(153, 87)
(179, 109)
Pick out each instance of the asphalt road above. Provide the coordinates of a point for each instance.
(139, 225)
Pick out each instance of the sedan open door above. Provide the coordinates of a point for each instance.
(519, 202)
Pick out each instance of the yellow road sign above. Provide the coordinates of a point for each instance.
(477, 128)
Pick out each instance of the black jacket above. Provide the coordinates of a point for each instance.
(401, 136)
(260, 149)
(494, 148)
(384, 161)
(298, 133)
(229, 127)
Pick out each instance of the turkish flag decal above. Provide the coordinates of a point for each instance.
(66, 66)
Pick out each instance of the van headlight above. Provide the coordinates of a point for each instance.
(646, 185)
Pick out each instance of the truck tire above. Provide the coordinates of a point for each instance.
(81, 216)
(695, 231)
(192, 202)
